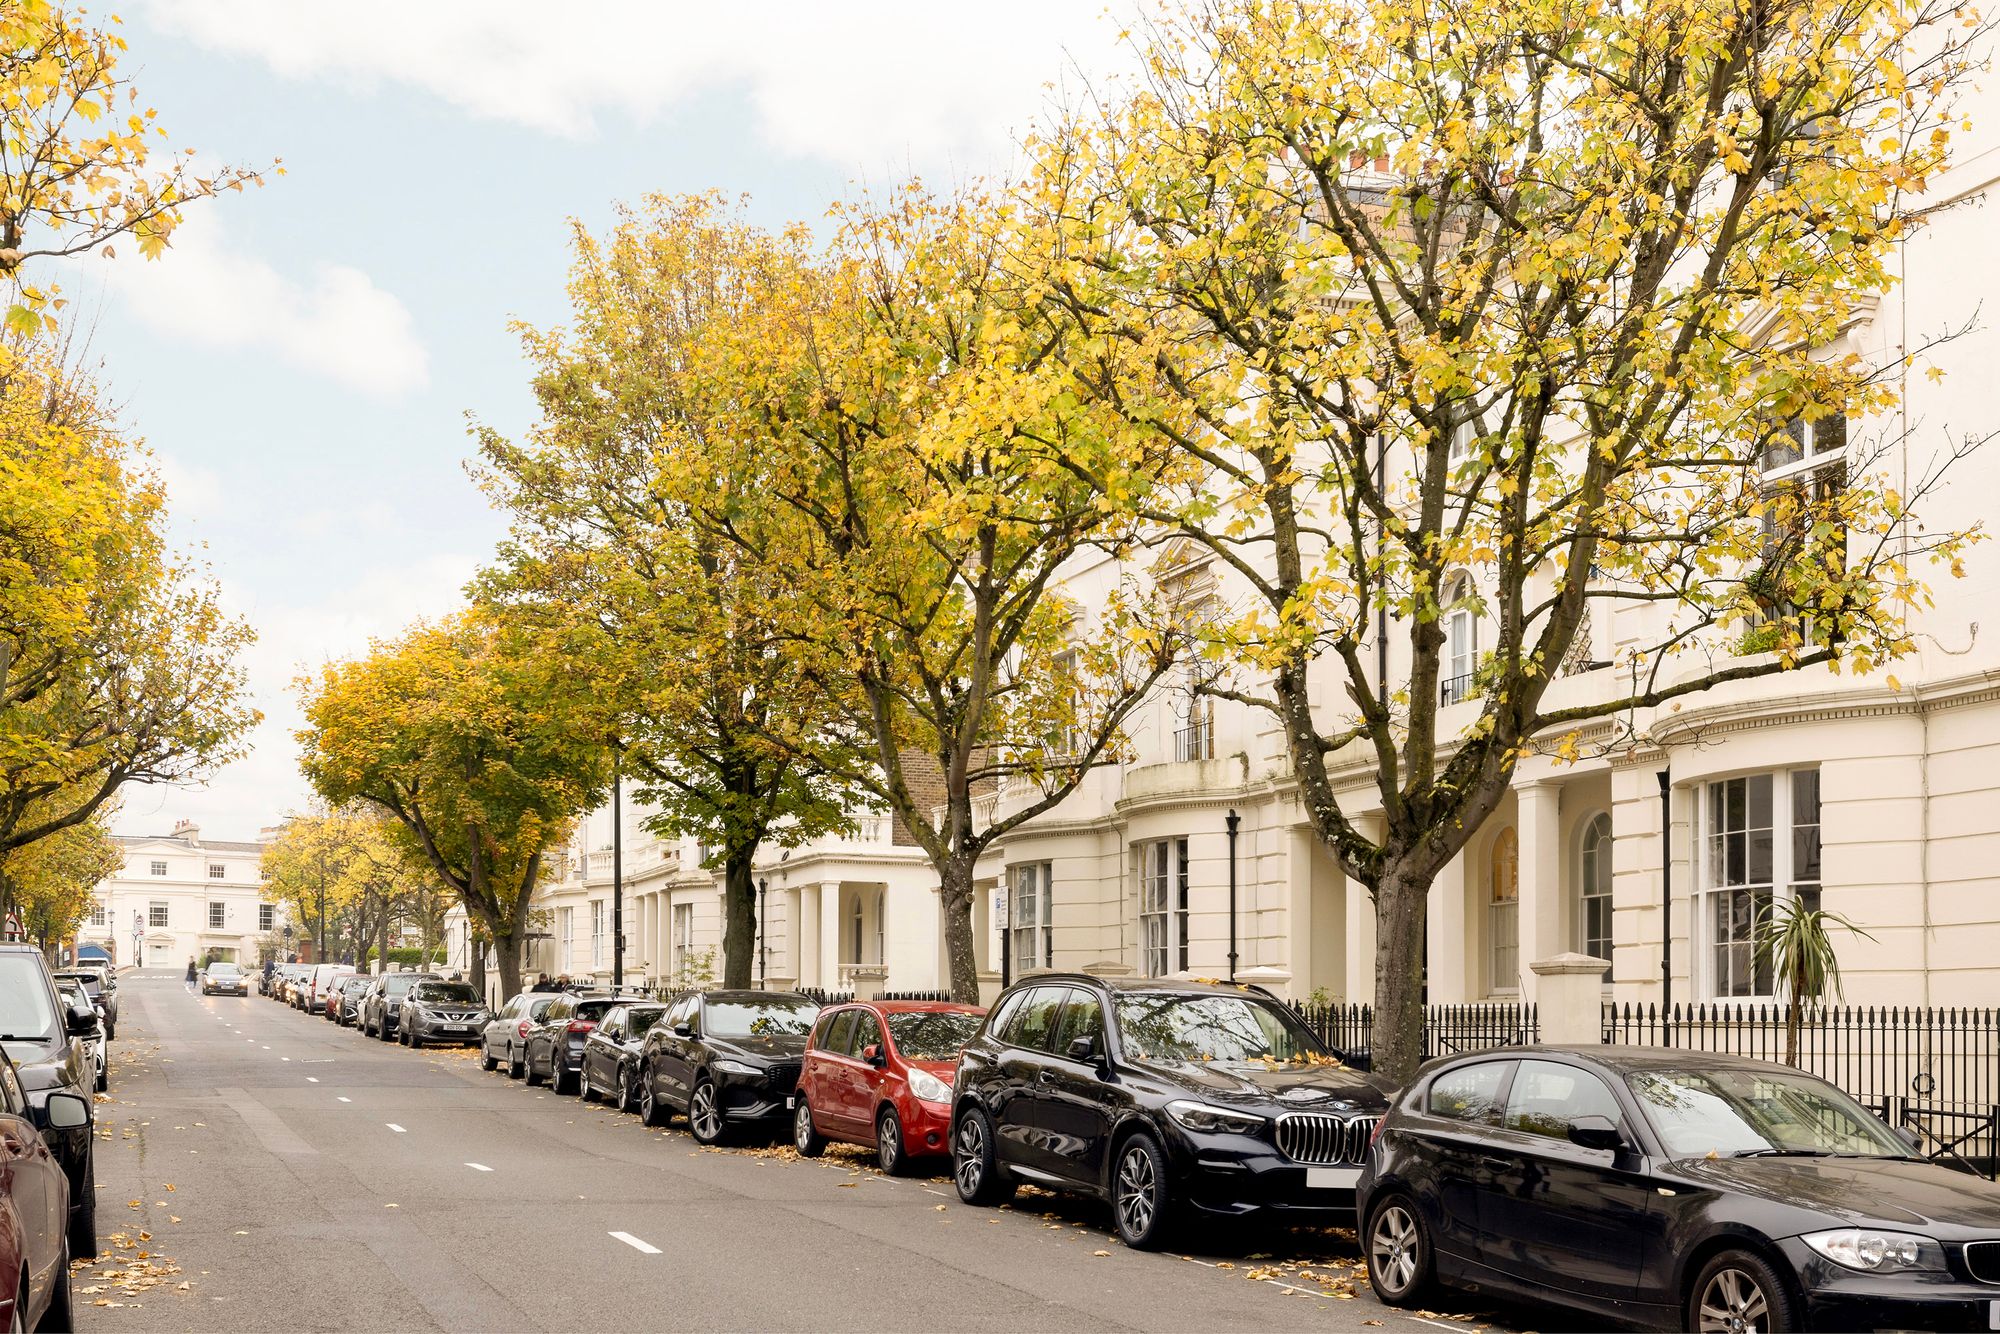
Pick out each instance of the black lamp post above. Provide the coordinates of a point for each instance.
(617, 884)
(763, 906)
(1230, 822)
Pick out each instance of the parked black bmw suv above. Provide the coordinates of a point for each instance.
(727, 1059)
(1160, 1097)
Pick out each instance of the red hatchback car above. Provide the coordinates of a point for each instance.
(879, 1073)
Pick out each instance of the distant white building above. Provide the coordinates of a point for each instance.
(180, 896)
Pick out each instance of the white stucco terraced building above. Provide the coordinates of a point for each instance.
(181, 896)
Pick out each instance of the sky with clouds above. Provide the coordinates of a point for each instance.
(302, 362)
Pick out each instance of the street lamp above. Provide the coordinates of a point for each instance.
(617, 881)
(763, 902)
(1230, 822)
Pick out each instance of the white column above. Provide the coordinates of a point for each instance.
(1538, 823)
(831, 935)
(1449, 951)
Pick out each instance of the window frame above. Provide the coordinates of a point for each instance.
(1503, 915)
(267, 917)
(157, 868)
(1784, 884)
(1507, 1065)
(159, 914)
(1163, 867)
(218, 916)
(1030, 883)
(218, 871)
(1593, 863)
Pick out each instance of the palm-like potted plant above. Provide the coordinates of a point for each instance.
(1795, 942)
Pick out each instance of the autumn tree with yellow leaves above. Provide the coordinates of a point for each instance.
(678, 628)
(350, 876)
(479, 746)
(1525, 309)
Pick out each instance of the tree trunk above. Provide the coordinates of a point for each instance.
(507, 952)
(955, 905)
(1401, 904)
(739, 917)
(382, 944)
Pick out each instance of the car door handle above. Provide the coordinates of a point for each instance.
(1495, 1161)
(1046, 1077)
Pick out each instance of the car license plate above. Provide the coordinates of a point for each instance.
(1332, 1178)
(1993, 1315)
(792, 1105)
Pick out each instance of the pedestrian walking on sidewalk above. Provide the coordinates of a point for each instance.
(191, 974)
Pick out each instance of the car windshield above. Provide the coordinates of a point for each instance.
(222, 969)
(459, 992)
(1729, 1112)
(396, 986)
(27, 1009)
(933, 1035)
(759, 1018)
(1213, 1029)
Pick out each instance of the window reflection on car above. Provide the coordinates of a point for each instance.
(1211, 1029)
(449, 992)
(26, 1014)
(758, 1019)
(933, 1035)
(1737, 1113)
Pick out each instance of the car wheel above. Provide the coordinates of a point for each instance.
(1141, 1199)
(103, 1078)
(487, 1060)
(705, 1114)
(1398, 1252)
(528, 1063)
(624, 1088)
(416, 1038)
(583, 1084)
(58, 1314)
(889, 1155)
(652, 1111)
(1739, 1293)
(974, 1166)
(515, 1068)
(83, 1217)
(805, 1137)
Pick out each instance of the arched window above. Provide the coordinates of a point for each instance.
(1593, 889)
(1461, 641)
(1503, 911)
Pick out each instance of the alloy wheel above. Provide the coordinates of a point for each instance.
(1137, 1191)
(624, 1090)
(1734, 1303)
(888, 1143)
(971, 1146)
(1392, 1244)
(703, 1118)
(802, 1127)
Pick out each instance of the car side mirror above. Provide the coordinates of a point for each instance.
(1910, 1138)
(873, 1055)
(1083, 1048)
(683, 1031)
(1595, 1132)
(67, 1111)
(82, 1021)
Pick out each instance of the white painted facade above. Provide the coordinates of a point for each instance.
(1883, 797)
(180, 896)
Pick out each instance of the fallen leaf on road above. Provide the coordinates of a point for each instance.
(241, 1233)
(168, 1186)
(145, 1236)
(388, 1206)
(939, 1208)
(849, 1185)
(183, 1287)
(131, 1204)
(173, 1218)
(1371, 1322)
(1100, 1252)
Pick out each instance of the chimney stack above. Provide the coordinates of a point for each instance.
(188, 830)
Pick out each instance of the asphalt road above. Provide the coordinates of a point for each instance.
(263, 1169)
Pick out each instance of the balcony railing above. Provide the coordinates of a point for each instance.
(1196, 741)
(1455, 689)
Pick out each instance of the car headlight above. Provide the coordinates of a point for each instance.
(723, 1065)
(1199, 1116)
(1876, 1252)
(928, 1087)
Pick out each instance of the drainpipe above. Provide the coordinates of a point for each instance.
(1666, 891)
(1230, 822)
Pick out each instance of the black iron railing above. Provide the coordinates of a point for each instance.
(1196, 741)
(1448, 1029)
(1455, 688)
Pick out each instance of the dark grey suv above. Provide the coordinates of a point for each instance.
(442, 1012)
(383, 1002)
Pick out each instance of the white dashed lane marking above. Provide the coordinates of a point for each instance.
(343, 1099)
(636, 1244)
(311, 1080)
(393, 1126)
(479, 1167)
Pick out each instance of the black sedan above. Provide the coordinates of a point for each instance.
(611, 1054)
(44, 1037)
(727, 1059)
(1166, 1099)
(553, 1047)
(1674, 1189)
(442, 1012)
